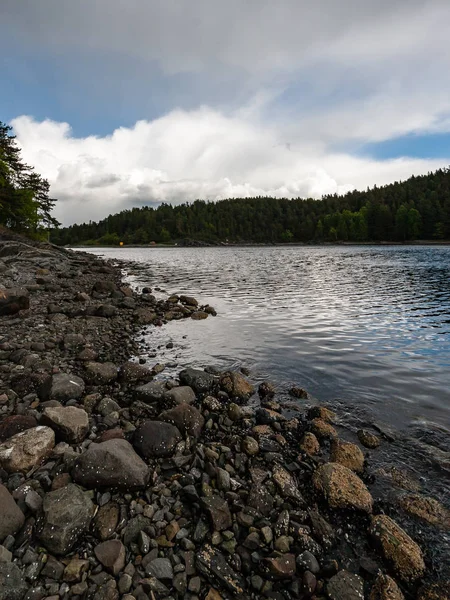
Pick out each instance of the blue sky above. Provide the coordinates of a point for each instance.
(119, 104)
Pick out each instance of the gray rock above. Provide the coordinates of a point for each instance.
(12, 585)
(200, 381)
(156, 439)
(70, 424)
(11, 517)
(111, 464)
(5, 555)
(219, 512)
(67, 514)
(188, 419)
(101, 373)
(161, 568)
(151, 392)
(25, 450)
(179, 395)
(112, 555)
(133, 373)
(345, 586)
(65, 387)
(134, 527)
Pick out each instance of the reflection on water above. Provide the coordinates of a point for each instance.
(370, 325)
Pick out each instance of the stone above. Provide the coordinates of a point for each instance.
(286, 484)
(75, 569)
(427, 509)
(104, 286)
(250, 446)
(113, 463)
(236, 385)
(67, 514)
(65, 387)
(199, 315)
(25, 450)
(385, 588)
(310, 444)
(308, 562)
(106, 406)
(367, 439)
(13, 424)
(345, 586)
(397, 548)
(69, 423)
(101, 373)
(156, 439)
(435, 591)
(322, 429)
(321, 412)
(131, 372)
(13, 301)
(260, 499)
(11, 517)
(5, 555)
(342, 488)
(151, 392)
(161, 568)
(282, 567)
(200, 381)
(74, 341)
(12, 584)
(298, 392)
(213, 566)
(111, 554)
(189, 300)
(218, 511)
(188, 419)
(266, 390)
(106, 520)
(347, 454)
(179, 395)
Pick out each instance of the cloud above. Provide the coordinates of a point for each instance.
(187, 155)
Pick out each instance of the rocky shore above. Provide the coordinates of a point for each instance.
(118, 483)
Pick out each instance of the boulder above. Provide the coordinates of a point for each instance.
(188, 419)
(100, 373)
(427, 509)
(112, 555)
(67, 514)
(347, 454)
(345, 586)
(151, 392)
(156, 439)
(70, 424)
(11, 517)
(131, 372)
(189, 301)
(13, 424)
(104, 286)
(310, 444)
(342, 488)
(236, 386)
(12, 584)
(200, 381)
(397, 548)
(111, 464)
(27, 449)
(65, 387)
(13, 300)
(385, 588)
(367, 439)
(183, 394)
(322, 429)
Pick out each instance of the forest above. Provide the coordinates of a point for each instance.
(415, 209)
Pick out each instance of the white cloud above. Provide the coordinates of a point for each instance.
(187, 155)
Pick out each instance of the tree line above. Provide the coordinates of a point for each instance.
(25, 204)
(416, 209)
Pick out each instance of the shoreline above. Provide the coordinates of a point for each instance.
(219, 499)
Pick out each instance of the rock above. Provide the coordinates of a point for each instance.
(286, 484)
(67, 514)
(188, 419)
(74, 341)
(213, 566)
(385, 588)
(342, 488)
(321, 412)
(199, 315)
(435, 591)
(75, 569)
(151, 392)
(236, 386)
(161, 568)
(260, 499)
(27, 449)
(266, 390)
(106, 520)
(397, 548)
(179, 395)
(308, 562)
(281, 566)
(101, 373)
(367, 439)
(200, 381)
(5, 555)
(347, 454)
(111, 464)
(104, 286)
(345, 586)
(70, 424)
(218, 511)
(112, 555)
(322, 429)
(131, 372)
(12, 585)
(11, 517)
(426, 509)
(298, 392)
(65, 387)
(156, 439)
(250, 446)
(13, 300)
(310, 444)
(13, 424)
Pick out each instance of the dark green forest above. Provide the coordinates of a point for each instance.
(416, 209)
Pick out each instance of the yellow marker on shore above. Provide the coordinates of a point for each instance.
(120, 243)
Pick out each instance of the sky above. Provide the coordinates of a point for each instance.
(123, 103)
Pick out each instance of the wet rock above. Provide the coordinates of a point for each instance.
(70, 424)
(188, 419)
(13, 300)
(13, 424)
(75, 569)
(397, 548)
(151, 392)
(200, 381)
(161, 568)
(218, 511)
(310, 444)
(189, 301)
(265, 416)
(322, 429)
(67, 514)
(179, 395)
(156, 439)
(199, 315)
(345, 586)
(65, 387)
(236, 386)
(266, 390)
(11, 517)
(435, 591)
(321, 412)
(260, 499)
(385, 588)
(297, 392)
(106, 520)
(286, 484)
(214, 567)
(101, 373)
(111, 554)
(342, 488)
(308, 562)
(12, 584)
(399, 478)
(347, 454)
(250, 446)
(367, 439)
(426, 509)
(281, 566)
(27, 449)
(131, 372)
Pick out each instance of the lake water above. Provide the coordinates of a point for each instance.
(367, 325)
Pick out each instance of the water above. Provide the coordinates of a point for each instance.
(368, 325)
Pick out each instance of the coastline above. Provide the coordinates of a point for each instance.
(234, 500)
